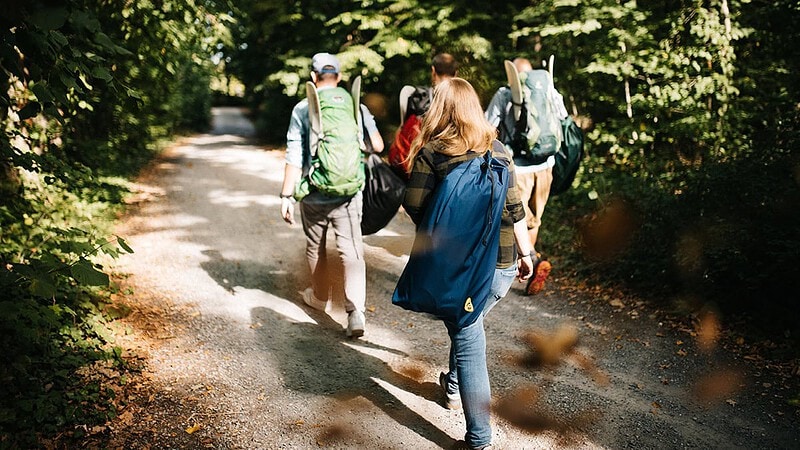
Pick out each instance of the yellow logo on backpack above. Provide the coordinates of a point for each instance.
(468, 305)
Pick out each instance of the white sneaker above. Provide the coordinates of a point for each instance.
(311, 300)
(355, 324)
(451, 401)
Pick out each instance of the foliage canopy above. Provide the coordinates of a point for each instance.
(87, 90)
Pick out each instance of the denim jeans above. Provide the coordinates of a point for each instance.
(468, 373)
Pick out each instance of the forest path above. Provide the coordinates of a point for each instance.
(236, 360)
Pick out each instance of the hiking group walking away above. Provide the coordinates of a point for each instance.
(474, 182)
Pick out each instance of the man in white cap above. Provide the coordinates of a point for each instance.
(320, 210)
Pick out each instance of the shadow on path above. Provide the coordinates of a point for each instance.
(321, 361)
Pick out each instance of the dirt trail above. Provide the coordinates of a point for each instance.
(235, 360)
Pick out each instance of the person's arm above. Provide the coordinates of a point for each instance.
(371, 128)
(524, 249)
(293, 169)
(377, 141)
(516, 213)
(297, 134)
(496, 111)
(291, 175)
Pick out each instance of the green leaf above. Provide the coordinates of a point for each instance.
(42, 92)
(43, 286)
(76, 247)
(24, 270)
(69, 82)
(59, 38)
(101, 73)
(49, 263)
(84, 272)
(124, 245)
(103, 40)
(84, 20)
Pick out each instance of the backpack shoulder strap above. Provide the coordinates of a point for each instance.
(314, 117)
(355, 92)
(405, 93)
(515, 86)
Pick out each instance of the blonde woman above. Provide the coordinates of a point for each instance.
(455, 131)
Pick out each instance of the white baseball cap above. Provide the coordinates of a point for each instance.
(324, 63)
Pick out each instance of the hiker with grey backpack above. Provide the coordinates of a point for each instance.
(324, 173)
(527, 114)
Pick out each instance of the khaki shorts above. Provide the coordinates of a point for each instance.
(534, 190)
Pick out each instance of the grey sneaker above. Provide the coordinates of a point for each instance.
(451, 401)
(311, 300)
(355, 324)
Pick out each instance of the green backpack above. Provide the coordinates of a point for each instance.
(537, 133)
(337, 168)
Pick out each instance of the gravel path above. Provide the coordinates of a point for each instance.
(235, 360)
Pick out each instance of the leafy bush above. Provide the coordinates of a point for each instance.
(88, 90)
(729, 236)
(46, 345)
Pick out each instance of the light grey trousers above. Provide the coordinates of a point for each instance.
(345, 219)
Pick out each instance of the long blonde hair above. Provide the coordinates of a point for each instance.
(456, 119)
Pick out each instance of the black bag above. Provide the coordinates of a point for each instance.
(383, 195)
(419, 101)
(568, 158)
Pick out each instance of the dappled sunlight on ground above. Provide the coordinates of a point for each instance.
(238, 199)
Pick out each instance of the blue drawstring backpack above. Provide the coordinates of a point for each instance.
(452, 262)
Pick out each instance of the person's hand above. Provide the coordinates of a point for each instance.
(524, 267)
(287, 209)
